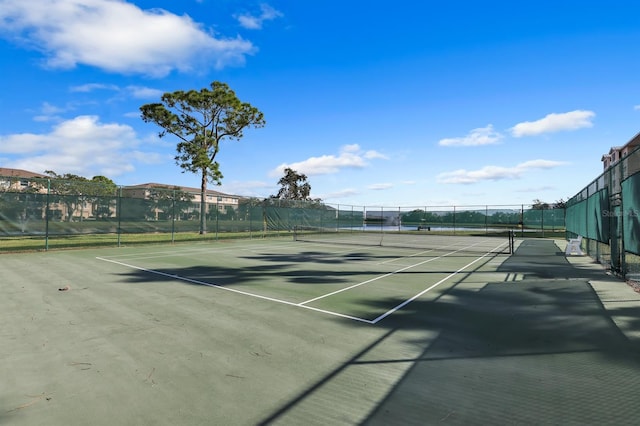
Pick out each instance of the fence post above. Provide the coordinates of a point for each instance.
(249, 208)
(486, 219)
(173, 216)
(47, 218)
(454, 220)
(119, 213)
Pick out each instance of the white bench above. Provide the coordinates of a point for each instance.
(573, 246)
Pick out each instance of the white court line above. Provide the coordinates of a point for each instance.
(393, 273)
(303, 304)
(233, 290)
(433, 249)
(406, 257)
(406, 302)
(370, 280)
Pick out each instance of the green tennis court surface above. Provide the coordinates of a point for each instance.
(283, 332)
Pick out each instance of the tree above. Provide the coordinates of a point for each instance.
(293, 186)
(74, 191)
(560, 204)
(170, 201)
(201, 120)
(539, 205)
(68, 189)
(20, 204)
(102, 193)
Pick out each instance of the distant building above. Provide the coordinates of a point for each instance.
(17, 180)
(223, 202)
(621, 163)
(616, 153)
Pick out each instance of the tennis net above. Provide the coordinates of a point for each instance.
(498, 242)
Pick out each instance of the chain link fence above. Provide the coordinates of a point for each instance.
(42, 213)
(605, 213)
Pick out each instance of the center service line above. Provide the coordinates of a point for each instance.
(392, 273)
(406, 302)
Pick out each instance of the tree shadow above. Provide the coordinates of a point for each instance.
(307, 267)
(543, 350)
(540, 350)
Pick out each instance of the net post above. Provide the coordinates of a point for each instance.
(511, 241)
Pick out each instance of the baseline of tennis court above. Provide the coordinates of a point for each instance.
(331, 278)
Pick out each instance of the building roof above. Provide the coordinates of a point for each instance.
(188, 189)
(635, 141)
(20, 173)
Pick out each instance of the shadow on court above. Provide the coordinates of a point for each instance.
(543, 350)
(307, 267)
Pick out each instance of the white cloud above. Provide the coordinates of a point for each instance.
(118, 37)
(495, 172)
(247, 189)
(82, 146)
(90, 87)
(637, 107)
(380, 186)
(138, 92)
(48, 112)
(572, 120)
(141, 92)
(252, 22)
(350, 156)
(354, 147)
(479, 136)
(536, 190)
(372, 155)
(49, 109)
(344, 193)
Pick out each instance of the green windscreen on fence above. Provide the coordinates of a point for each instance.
(590, 218)
(22, 213)
(598, 214)
(631, 206)
(576, 219)
(60, 213)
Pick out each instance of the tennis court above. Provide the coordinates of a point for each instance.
(339, 331)
(357, 279)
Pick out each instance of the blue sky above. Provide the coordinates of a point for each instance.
(404, 103)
